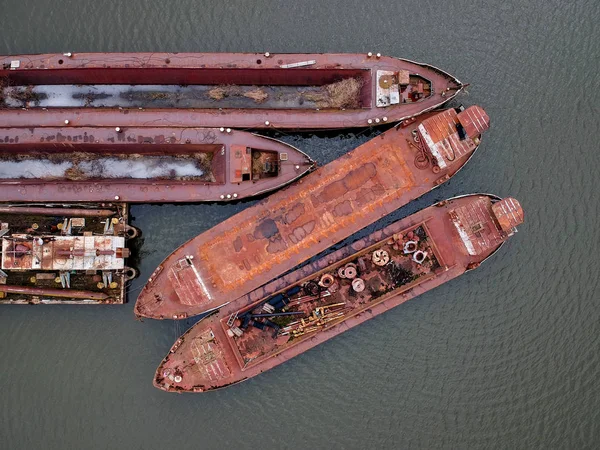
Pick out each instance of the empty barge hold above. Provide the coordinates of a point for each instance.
(315, 303)
(57, 254)
(143, 164)
(263, 241)
(242, 90)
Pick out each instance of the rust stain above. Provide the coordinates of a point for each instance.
(276, 245)
(296, 211)
(343, 209)
(343, 198)
(266, 229)
(350, 182)
(238, 244)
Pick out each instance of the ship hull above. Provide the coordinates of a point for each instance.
(143, 165)
(60, 254)
(182, 94)
(284, 230)
(230, 365)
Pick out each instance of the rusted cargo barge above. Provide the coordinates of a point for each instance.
(149, 164)
(311, 305)
(243, 90)
(263, 241)
(57, 254)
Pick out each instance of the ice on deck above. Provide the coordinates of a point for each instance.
(142, 167)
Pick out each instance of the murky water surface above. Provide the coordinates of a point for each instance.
(506, 356)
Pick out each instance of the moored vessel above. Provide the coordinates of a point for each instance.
(58, 253)
(327, 297)
(150, 164)
(328, 205)
(241, 90)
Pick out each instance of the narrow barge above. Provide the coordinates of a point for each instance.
(96, 164)
(263, 241)
(313, 304)
(241, 90)
(57, 254)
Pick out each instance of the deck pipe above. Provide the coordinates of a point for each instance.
(76, 212)
(70, 293)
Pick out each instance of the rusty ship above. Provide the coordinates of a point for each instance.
(238, 90)
(100, 164)
(323, 299)
(330, 204)
(57, 254)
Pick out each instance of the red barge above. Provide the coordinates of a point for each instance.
(266, 240)
(57, 254)
(311, 305)
(150, 164)
(242, 90)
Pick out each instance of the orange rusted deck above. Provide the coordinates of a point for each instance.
(338, 292)
(264, 241)
(241, 90)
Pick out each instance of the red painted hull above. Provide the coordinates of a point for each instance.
(291, 226)
(220, 69)
(210, 356)
(130, 144)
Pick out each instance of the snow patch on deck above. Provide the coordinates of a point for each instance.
(110, 167)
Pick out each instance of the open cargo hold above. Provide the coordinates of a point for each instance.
(143, 164)
(243, 90)
(56, 254)
(327, 297)
(328, 205)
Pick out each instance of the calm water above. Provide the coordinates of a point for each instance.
(504, 357)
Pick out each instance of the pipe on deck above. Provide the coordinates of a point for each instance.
(75, 212)
(66, 293)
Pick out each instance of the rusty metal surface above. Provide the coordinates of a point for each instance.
(263, 241)
(208, 357)
(65, 253)
(39, 292)
(53, 258)
(509, 213)
(32, 143)
(218, 69)
(67, 212)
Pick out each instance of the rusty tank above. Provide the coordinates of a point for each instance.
(264, 241)
(149, 164)
(64, 254)
(238, 90)
(315, 303)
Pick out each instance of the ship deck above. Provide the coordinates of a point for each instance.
(263, 241)
(287, 91)
(40, 273)
(158, 164)
(227, 348)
